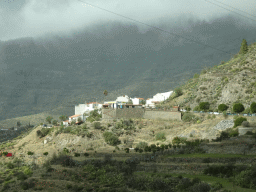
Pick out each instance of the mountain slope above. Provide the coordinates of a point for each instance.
(229, 82)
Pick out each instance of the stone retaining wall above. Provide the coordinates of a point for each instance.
(243, 130)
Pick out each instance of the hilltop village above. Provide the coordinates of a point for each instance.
(125, 107)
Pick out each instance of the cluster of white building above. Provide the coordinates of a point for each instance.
(82, 110)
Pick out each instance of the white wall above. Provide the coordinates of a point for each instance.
(82, 108)
(135, 101)
(123, 99)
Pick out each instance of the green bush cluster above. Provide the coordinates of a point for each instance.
(226, 170)
(238, 108)
(77, 154)
(111, 138)
(239, 121)
(246, 178)
(160, 136)
(65, 150)
(94, 116)
(233, 133)
(188, 117)
(97, 125)
(141, 145)
(204, 106)
(222, 107)
(30, 153)
(125, 124)
(178, 140)
(253, 107)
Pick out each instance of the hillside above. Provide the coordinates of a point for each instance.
(229, 82)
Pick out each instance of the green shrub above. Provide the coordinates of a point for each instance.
(111, 138)
(27, 171)
(215, 170)
(141, 145)
(224, 135)
(96, 125)
(178, 92)
(45, 131)
(204, 106)
(188, 117)
(239, 121)
(196, 76)
(225, 114)
(197, 108)
(136, 149)
(248, 133)
(233, 133)
(126, 150)
(222, 107)
(160, 136)
(140, 150)
(253, 107)
(94, 116)
(246, 179)
(30, 153)
(54, 122)
(202, 186)
(207, 160)
(24, 185)
(178, 140)
(65, 150)
(67, 130)
(238, 107)
(86, 154)
(147, 149)
(187, 108)
(10, 165)
(77, 154)
(46, 153)
(68, 186)
(39, 133)
(153, 146)
(21, 176)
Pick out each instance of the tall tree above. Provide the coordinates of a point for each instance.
(49, 119)
(63, 117)
(105, 92)
(244, 47)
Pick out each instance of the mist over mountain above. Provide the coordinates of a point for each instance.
(58, 70)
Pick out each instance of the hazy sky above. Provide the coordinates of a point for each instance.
(30, 18)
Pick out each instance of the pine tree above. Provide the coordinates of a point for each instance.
(244, 47)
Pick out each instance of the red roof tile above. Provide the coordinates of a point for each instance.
(75, 116)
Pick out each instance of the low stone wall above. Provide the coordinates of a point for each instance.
(129, 113)
(139, 113)
(168, 115)
(108, 113)
(243, 130)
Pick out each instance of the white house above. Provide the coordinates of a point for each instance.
(65, 123)
(87, 108)
(75, 118)
(123, 99)
(150, 102)
(137, 101)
